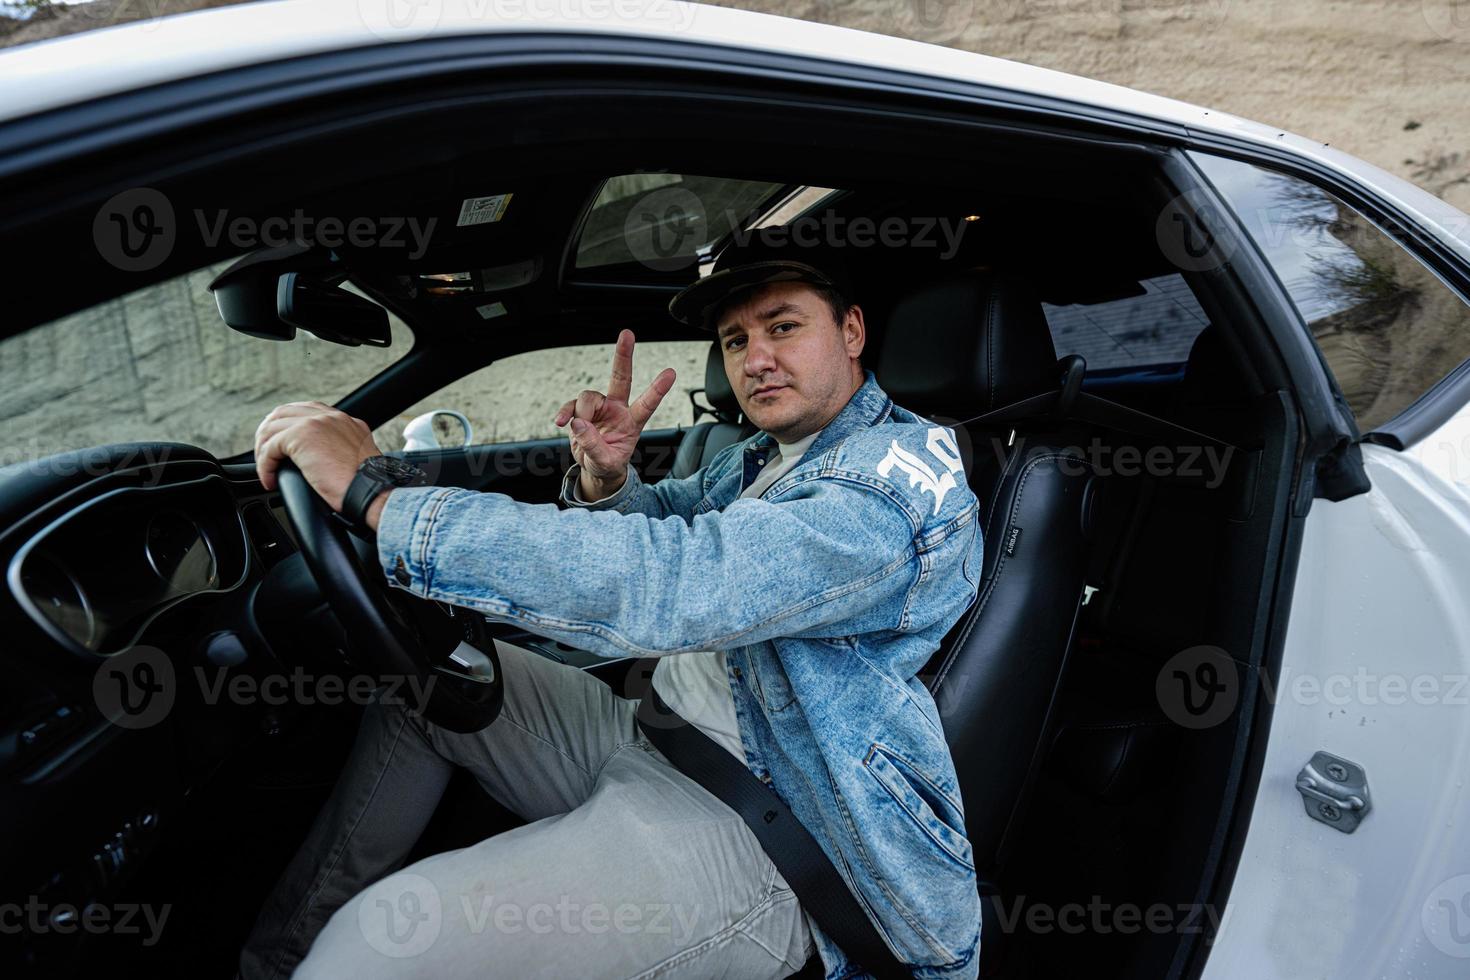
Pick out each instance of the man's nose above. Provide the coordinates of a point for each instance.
(759, 356)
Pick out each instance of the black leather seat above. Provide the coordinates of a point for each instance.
(953, 350)
(1168, 543)
(703, 441)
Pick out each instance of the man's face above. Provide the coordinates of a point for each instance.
(792, 366)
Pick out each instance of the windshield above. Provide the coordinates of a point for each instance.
(159, 365)
(665, 221)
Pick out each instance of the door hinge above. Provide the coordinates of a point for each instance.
(1335, 791)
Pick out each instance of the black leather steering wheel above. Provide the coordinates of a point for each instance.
(398, 636)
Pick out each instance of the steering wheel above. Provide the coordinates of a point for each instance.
(399, 636)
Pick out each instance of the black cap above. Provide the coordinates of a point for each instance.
(779, 253)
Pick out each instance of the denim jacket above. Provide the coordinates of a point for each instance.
(828, 594)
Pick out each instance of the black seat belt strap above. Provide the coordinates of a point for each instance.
(792, 849)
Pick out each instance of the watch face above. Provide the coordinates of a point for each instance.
(394, 470)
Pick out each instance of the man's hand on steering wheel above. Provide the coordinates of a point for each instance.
(310, 452)
(326, 444)
(605, 428)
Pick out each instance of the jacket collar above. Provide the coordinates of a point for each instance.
(868, 406)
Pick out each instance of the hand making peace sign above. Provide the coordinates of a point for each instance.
(605, 428)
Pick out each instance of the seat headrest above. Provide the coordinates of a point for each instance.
(966, 344)
(1210, 374)
(717, 390)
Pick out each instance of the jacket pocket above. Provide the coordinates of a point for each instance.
(933, 811)
(773, 689)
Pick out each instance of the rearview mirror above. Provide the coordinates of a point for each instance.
(330, 312)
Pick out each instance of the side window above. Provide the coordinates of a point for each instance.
(158, 364)
(516, 398)
(1155, 327)
(1386, 325)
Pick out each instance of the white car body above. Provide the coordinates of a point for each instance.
(1383, 583)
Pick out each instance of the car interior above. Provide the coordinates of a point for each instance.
(1055, 337)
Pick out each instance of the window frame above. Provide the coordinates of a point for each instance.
(1438, 403)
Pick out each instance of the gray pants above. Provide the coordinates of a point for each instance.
(627, 868)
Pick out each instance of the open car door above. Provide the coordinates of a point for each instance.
(1357, 860)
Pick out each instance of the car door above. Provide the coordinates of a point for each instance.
(1357, 858)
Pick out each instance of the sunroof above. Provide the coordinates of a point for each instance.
(666, 221)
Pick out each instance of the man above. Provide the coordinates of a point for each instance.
(794, 587)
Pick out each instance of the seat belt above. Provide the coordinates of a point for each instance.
(1084, 407)
(790, 846)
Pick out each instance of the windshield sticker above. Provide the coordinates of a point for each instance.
(482, 210)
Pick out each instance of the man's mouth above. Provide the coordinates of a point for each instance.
(766, 390)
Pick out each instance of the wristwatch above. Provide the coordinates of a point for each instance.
(374, 475)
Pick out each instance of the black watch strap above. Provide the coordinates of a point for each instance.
(369, 481)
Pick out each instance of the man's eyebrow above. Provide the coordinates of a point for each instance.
(780, 309)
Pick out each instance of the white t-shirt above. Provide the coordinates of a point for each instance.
(696, 684)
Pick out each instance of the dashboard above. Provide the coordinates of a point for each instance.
(110, 553)
(98, 575)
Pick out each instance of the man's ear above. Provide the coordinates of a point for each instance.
(854, 331)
